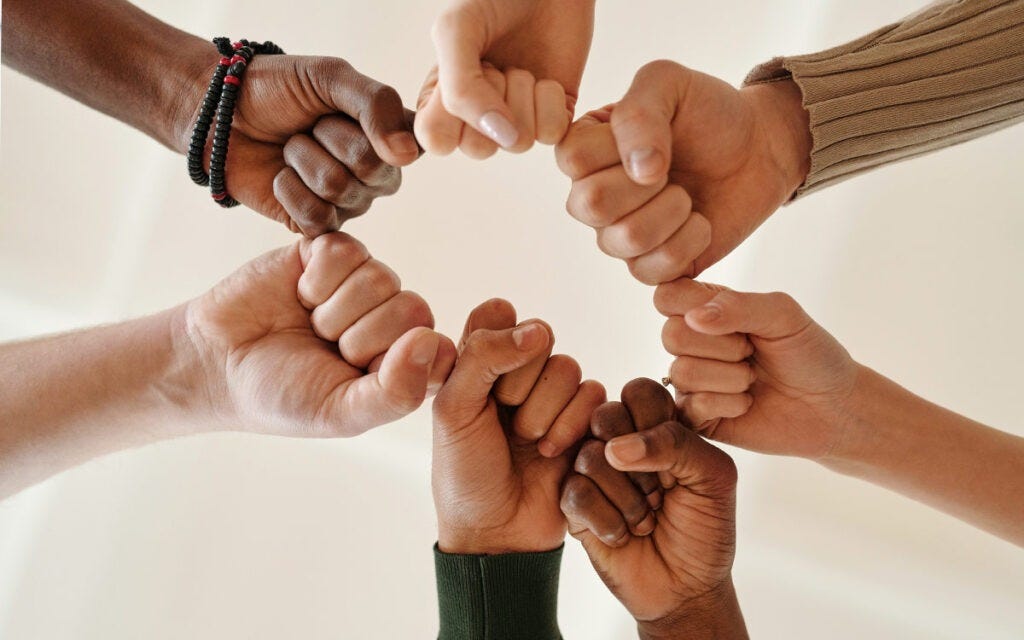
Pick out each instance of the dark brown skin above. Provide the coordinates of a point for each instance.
(313, 141)
(674, 578)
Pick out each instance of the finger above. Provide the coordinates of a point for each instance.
(494, 314)
(514, 387)
(370, 285)
(767, 315)
(474, 143)
(465, 89)
(603, 198)
(437, 130)
(552, 393)
(588, 147)
(519, 96)
(683, 454)
(681, 340)
(377, 107)
(323, 174)
(616, 486)
(675, 257)
(397, 389)
(699, 408)
(442, 366)
(648, 227)
(642, 122)
(312, 214)
(648, 402)
(612, 419)
(328, 261)
(679, 296)
(550, 113)
(587, 509)
(574, 420)
(690, 374)
(346, 143)
(487, 355)
(375, 332)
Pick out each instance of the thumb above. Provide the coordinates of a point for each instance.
(459, 42)
(486, 356)
(376, 106)
(642, 122)
(672, 448)
(765, 315)
(396, 389)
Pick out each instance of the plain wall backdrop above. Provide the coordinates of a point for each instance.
(916, 268)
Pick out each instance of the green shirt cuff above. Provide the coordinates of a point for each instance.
(510, 596)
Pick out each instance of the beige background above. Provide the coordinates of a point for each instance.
(917, 269)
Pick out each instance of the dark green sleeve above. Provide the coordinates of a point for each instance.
(510, 596)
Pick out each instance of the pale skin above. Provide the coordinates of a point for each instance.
(672, 569)
(507, 74)
(494, 490)
(755, 371)
(316, 339)
(313, 142)
(684, 167)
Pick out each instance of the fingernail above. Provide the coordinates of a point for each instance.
(425, 350)
(646, 525)
(402, 144)
(645, 163)
(547, 449)
(627, 448)
(708, 313)
(654, 500)
(528, 336)
(498, 128)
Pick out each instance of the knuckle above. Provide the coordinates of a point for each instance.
(340, 247)
(333, 183)
(673, 335)
(577, 495)
(590, 458)
(659, 69)
(681, 200)
(382, 98)
(381, 280)
(684, 372)
(414, 309)
(571, 157)
(565, 367)
(643, 269)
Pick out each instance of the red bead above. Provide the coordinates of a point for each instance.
(237, 45)
(219, 196)
(232, 80)
(237, 58)
(225, 61)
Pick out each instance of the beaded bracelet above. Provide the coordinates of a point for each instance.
(221, 96)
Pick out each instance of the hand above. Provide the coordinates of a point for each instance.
(547, 40)
(313, 141)
(364, 356)
(753, 370)
(681, 142)
(671, 571)
(493, 489)
(539, 107)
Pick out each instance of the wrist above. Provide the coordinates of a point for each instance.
(866, 430)
(490, 542)
(716, 614)
(184, 89)
(786, 124)
(193, 382)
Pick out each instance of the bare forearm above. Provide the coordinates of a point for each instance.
(928, 453)
(113, 57)
(68, 398)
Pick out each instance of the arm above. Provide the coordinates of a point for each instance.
(502, 424)
(314, 340)
(298, 151)
(755, 371)
(944, 75)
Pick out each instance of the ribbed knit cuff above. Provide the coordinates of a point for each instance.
(949, 73)
(511, 596)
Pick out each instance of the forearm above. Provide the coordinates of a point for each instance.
(715, 616)
(113, 57)
(68, 398)
(905, 443)
(949, 73)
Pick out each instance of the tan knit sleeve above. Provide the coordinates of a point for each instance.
(949, 73)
